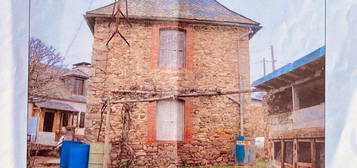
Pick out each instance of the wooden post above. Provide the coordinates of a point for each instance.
(106, 139)
(295, 152)
(41, 115)
(313, 153)
(282, 149)
(295, 97)
(56, 122)
(272, 152)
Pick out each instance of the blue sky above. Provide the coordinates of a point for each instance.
(294, 28)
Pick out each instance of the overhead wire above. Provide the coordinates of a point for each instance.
(77, 32)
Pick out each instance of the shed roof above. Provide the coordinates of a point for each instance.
(56, 106)
(308, 65)
(184, 10)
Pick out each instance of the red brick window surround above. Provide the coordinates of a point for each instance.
(172, 47)
(169, 121)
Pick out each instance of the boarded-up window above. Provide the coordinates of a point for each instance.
(288, 152)
(277, 151)
(170, 120)
(320, 155)
(81, 122)
(78, 88)
(304, 152)
(172, 48)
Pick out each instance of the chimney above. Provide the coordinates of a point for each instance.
(82, 66)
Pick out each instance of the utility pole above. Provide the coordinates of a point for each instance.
(265, 71)
(272, 57)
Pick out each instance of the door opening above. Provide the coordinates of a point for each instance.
(48, 122)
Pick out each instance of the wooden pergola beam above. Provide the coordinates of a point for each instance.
(235, 100)
(175, 96)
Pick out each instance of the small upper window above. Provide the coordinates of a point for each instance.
(78, 88)
(172, 48)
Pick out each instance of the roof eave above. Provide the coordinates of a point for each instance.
(255, 30)
(90, 19)
(314, 56)
(90, 22)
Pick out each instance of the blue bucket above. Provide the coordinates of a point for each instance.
(79, 156)
(240, 150)
(66, 145)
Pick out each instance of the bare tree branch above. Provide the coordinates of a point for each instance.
(45, 67)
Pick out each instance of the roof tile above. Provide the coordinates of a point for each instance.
(203, 10)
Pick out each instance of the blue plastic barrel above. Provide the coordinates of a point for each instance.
(240, 151)
(79, 156)
(66, 145)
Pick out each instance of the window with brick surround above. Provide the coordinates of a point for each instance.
(172, 48)
(170, 120)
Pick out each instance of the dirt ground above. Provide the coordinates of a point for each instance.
(53, 162)
(46, 162)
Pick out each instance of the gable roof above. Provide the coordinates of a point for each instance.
(206, 11)
(57, 106)
(76, 72)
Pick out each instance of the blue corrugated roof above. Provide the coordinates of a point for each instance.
(291, 66)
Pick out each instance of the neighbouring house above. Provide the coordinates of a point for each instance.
(175, 45)
(64, 108)
(296, 112)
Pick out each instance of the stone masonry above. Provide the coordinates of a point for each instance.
(212, 122)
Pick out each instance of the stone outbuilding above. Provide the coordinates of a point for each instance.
(175, 45)
(296, 112)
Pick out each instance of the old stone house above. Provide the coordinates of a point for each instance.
(296, 112)
(175, 45)
(64, 107)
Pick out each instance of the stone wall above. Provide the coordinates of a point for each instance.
(256, 119)
(255, 125)
(212, 64)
